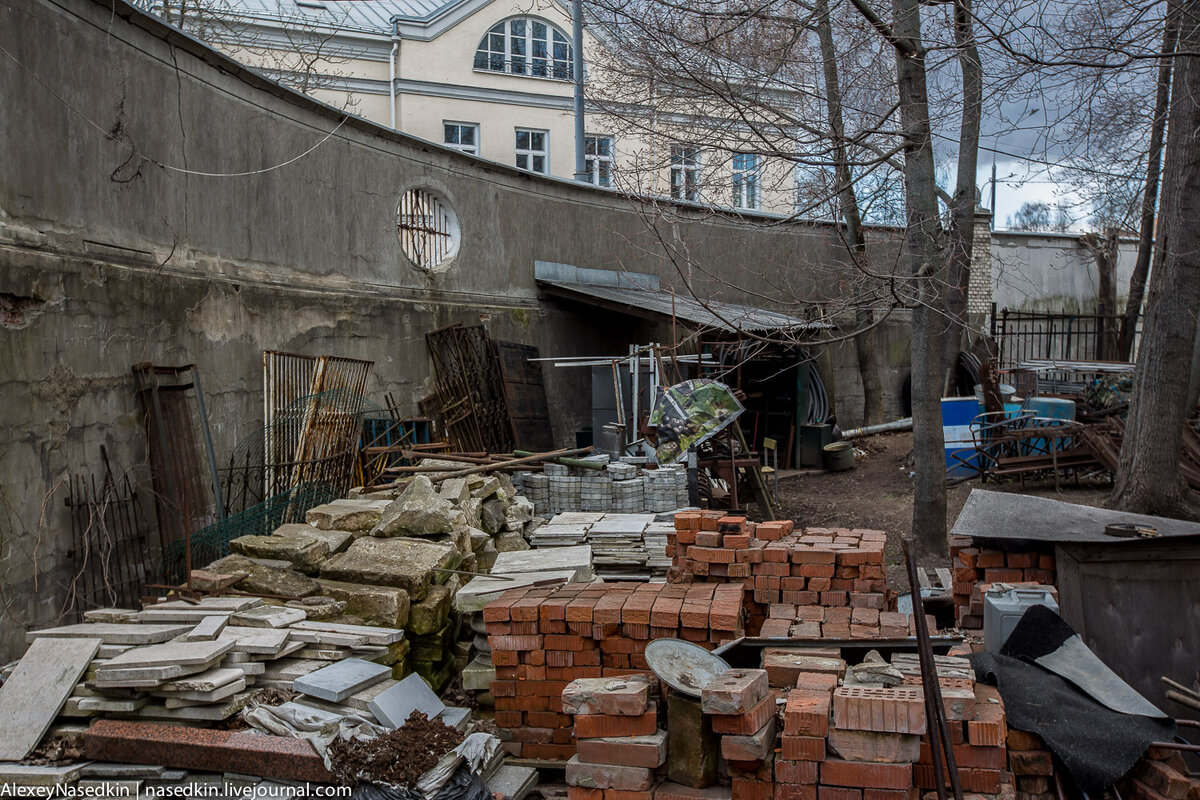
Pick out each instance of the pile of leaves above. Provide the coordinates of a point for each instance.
(56, 751)
(398, 758)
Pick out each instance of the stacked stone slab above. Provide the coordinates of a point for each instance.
(541, 639)
(625, 546)
(976, 568)
(743, 710)
(777, 565)
(621, 747)
(625, 486)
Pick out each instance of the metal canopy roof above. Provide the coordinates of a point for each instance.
(655, 303)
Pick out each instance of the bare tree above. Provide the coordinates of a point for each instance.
(1149, 480)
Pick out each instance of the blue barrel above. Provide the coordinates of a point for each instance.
(957, 415)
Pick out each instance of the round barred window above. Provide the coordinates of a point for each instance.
(428, 229)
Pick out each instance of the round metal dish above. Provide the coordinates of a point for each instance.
(685, 667)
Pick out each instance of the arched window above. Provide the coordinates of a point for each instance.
(525, 46)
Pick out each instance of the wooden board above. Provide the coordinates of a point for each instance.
(526, 396)
(35, 692)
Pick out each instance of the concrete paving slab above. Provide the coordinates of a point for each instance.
(114, 769)
(269, 617)
(392, 707)
(456, 717)
(205, 713)
(338, 681)
(257, 641)
(37, 688)
(207, 629)
(328, 638)
(171, 653)
(207, 681)
(336, 541)
(111, 705)
(26, 775)
(512, 782)
(373, 634)
(483, 589)
(112, 632)
(117, 615)
(211, 696)
(578, 559)
(191, 616)
(234, 603)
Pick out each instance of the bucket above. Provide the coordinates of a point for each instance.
(839, 456)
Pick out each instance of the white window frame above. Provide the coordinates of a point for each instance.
(529, 153)
(690, 163)
(472, 149)
(593, 160)
(747, 191)
(558, 69)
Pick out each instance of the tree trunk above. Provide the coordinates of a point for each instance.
(1141, 267)
(1104, 252)
(864, 316)
(962, 210)
(921, 253)
(1148, 478)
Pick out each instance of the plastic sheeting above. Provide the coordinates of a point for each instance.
(689, 414)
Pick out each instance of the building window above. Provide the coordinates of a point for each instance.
(745, 181)
(525, 46)
(428, 229)
(532, 151)
(599, 157)
(685, 172)
(461, 136)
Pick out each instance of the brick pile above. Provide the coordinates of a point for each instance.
(742, 707)
(1032, 766)
(976, 568)
(825, 567)
(818, 622)
(1160, 775)
(621, 747)
(544, 638)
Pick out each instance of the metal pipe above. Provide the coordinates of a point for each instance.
(581, 173)
(392, 72)
(886, 427)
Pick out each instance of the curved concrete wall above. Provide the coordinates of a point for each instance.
(109, 258)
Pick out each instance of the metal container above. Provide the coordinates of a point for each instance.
(839, 456)
(812, 439)
(1003, 609)
(612, 439)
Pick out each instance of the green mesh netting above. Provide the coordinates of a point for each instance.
(212, 542)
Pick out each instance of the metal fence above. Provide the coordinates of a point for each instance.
(1034, 335)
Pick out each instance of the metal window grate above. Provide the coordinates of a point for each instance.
(427, 228)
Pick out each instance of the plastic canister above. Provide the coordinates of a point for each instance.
(1003, 607)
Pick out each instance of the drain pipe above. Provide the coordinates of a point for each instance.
(581, 172)
(392, 71)
(887, 427)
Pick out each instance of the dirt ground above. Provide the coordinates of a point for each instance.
(877, 494)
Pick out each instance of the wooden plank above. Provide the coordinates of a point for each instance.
(35, 692)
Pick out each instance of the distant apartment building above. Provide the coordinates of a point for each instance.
(491, 78)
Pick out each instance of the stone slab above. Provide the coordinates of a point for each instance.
(266, 579)
(246, 752)
(456, 717)
(110, 769)
(207, 629)
(229, 604)
(118, 615)
(392, 707)
(483, 589)
(338, 681)
(190, 616)
(27, 775)
(328, 638)
(213, 695)
(32, 695)
(112, 632)
(214, 712)
(335, 541)
(375, 605)
(301, 552)
(402, 562)
(346, 514)
(269, 617)
(512, 782)
(373, 634)
(171, 653)
(255, 641)
(111, 705)
(207, 681)
(578, 559)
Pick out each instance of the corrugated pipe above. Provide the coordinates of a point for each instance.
(887, 427)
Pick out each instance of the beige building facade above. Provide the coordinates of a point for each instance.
(492, 78)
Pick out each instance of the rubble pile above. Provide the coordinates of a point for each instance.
(541, 639)
(976, 569)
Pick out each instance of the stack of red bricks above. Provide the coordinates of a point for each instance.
(544, 638)
(805, 726)
(621, 747)
(742, 708)
(828, 567)
(976, 568)
(1161, 775)
(1032, 766)
(875, 738)
(818, 622)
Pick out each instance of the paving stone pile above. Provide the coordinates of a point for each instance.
(626, 486)
(624, 546)
(976, 569)
(541, 639)
(830, 568)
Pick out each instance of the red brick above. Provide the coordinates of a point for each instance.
(633, 751)
(806, 713)
(1022, 740)
(838, 793)
(584, 793)
(797, 771)
(894, 710)
(749, 789)
(735, 691)
(747, 723)
(911, 793)
(795, 791)
(1030, 762)
(607, 776)
(736, 541)
(675, 791)
(601, 726)
(835, 772)
(802, 748)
